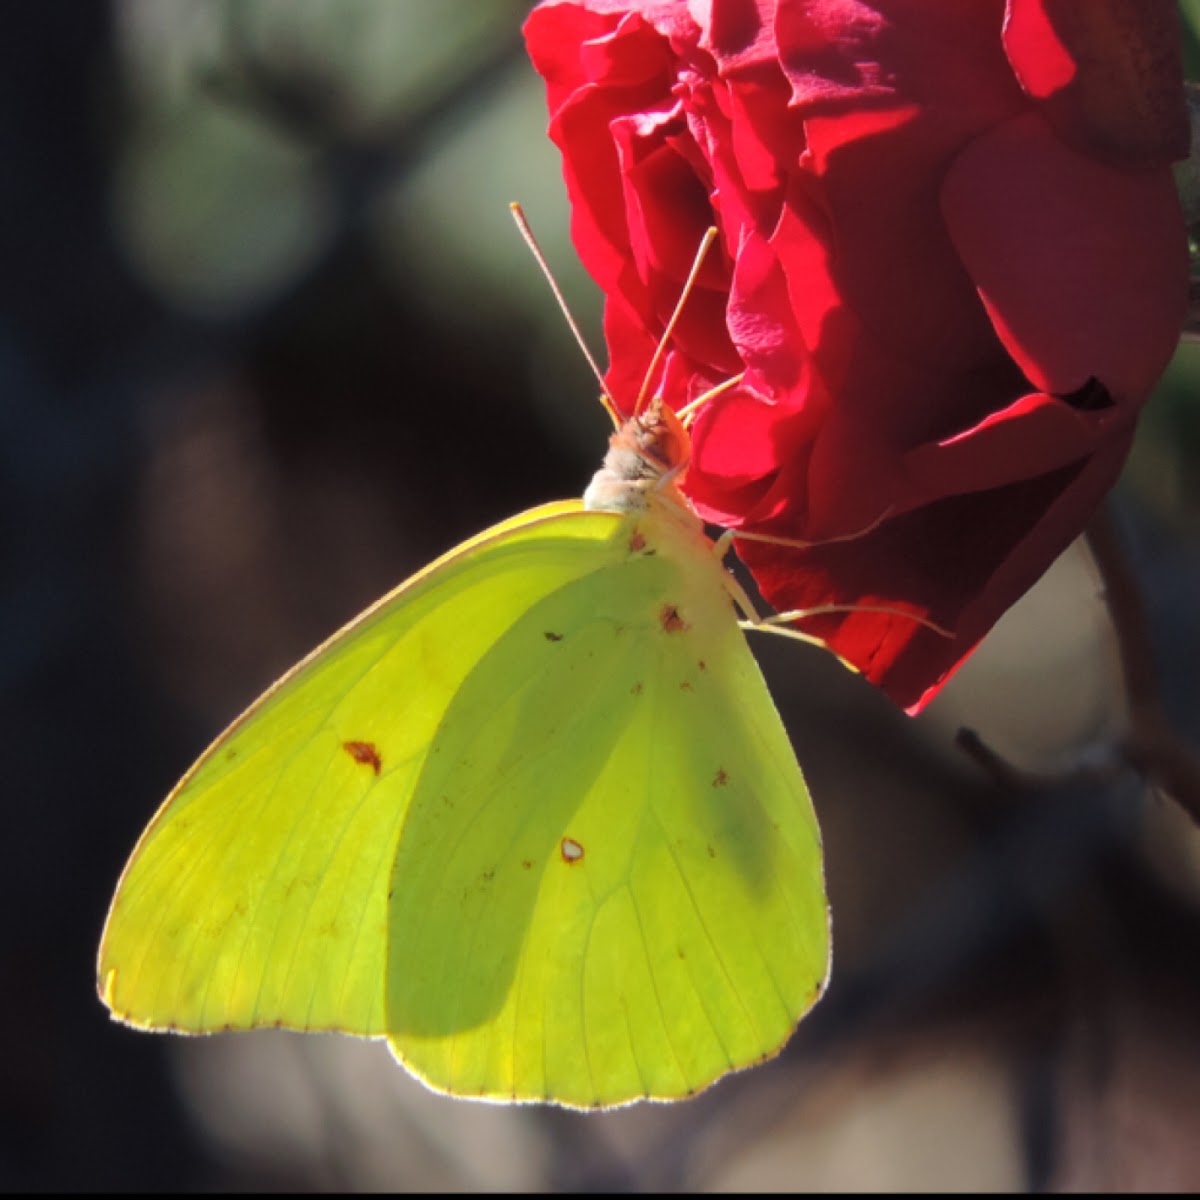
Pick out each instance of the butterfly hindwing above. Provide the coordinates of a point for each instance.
(609, 885)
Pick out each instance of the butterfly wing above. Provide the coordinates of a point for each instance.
(533, 817)
(609, 885)
(258, 894)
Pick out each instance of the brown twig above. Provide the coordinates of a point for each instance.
(1152, 747)
(1008, 776)
(1016, 779)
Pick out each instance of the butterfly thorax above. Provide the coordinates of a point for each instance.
(646, 459)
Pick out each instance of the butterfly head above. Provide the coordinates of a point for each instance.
(647, 457)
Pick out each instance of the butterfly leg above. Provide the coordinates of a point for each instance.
(780, 622)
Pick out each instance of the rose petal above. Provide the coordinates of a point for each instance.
(948, 304)
(1108, 72)
(1081, 266)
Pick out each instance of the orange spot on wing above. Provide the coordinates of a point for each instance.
(670, 619)
(364, 753)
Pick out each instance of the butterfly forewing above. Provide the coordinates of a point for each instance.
(258, 895)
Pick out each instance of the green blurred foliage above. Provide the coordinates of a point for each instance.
(1189, 11)
(260, 132)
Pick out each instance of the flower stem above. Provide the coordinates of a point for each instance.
(1152, 747)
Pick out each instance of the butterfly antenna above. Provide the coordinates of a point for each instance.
(705, 243)
(518, 214)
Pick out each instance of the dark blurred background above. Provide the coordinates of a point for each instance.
(269, 343)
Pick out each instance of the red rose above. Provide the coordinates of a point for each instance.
(953, 268)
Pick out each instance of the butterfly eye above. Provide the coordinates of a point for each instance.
(675, 441)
